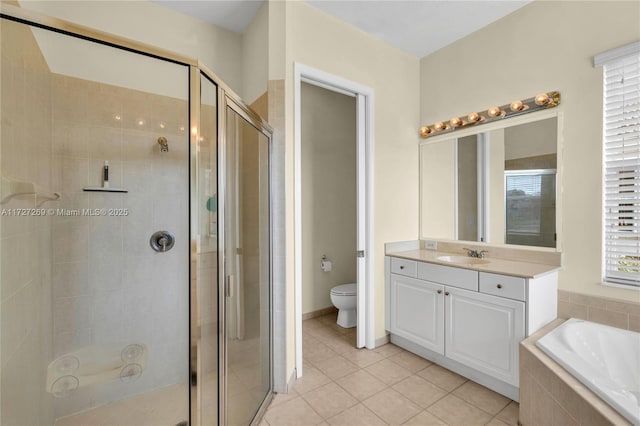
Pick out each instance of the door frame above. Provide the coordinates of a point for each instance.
(365, 107)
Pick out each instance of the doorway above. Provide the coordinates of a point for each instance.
(329, 210)
(363, 99)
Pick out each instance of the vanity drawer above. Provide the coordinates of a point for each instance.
(403, 267)
(447, 275)
(502, 285)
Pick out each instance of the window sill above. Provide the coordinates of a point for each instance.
(623, 286)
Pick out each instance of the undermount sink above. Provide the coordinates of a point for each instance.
(463, 260)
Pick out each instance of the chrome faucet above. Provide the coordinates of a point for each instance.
(476, 253)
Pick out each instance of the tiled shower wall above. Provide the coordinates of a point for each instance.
(109, 286)
(25, 241)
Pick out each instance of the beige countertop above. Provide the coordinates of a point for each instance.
(495, 266)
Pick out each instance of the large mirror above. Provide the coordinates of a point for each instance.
(497, 187)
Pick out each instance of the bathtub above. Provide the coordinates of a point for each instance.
(606, 359)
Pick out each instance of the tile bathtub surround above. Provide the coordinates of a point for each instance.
(550, 395)
(342, 385)
(603, 310)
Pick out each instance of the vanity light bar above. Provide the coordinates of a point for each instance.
(541, 101)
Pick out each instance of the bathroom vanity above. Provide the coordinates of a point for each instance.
(467, 314)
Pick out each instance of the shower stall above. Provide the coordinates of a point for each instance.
(135, 235)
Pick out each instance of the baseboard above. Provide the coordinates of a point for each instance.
(382, 341)
(292, 379)
(319, 313)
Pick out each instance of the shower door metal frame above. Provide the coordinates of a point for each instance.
(239, 107)
(225, 97)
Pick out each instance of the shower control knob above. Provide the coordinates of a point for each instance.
(162, 241)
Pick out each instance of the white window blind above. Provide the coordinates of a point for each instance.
(622, 169)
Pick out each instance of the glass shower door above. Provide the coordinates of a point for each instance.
(95, 145)
(247, 270)
(204, 293)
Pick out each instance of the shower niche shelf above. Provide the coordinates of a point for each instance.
(103, 189)
(11, 188)
(105, 183)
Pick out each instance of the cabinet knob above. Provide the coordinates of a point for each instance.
(446, 293)
(499, 286)
(439, 291)
(402, 267)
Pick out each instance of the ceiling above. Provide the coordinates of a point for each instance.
(233, 15)
(419, 27)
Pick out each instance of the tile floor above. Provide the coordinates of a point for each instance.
(343, 385)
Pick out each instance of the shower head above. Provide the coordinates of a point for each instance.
(164, 144)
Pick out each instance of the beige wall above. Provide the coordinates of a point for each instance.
(328, 163)
(347, 52)
(437, 192)
(545, 46)
(255, 56)
(25, 241)
(218, 49)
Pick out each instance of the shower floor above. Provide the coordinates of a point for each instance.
(164, 407)
(168, 406)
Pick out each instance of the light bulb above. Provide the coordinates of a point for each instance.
(473, 117)
(455, 122)
(439, 126)
(542, 99)
(516, 106)
(425, 131)
(494, 112)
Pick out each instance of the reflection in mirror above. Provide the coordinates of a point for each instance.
(469, 228)
(497, 187)
(530, 207)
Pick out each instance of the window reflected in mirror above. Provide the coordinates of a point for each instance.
(530, 212)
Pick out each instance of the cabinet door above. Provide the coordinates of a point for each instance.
(483, 332)
(417, 311)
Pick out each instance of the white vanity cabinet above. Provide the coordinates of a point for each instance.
(418, 311)
(469, 321)
(483, 332)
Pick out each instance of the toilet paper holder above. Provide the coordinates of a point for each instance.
(325, 264)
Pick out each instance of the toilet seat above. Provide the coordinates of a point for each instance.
(344, 290)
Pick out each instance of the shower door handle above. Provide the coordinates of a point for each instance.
(228, 286)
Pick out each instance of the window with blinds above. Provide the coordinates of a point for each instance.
(622, 165)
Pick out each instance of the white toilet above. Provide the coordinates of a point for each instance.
(343, 297)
